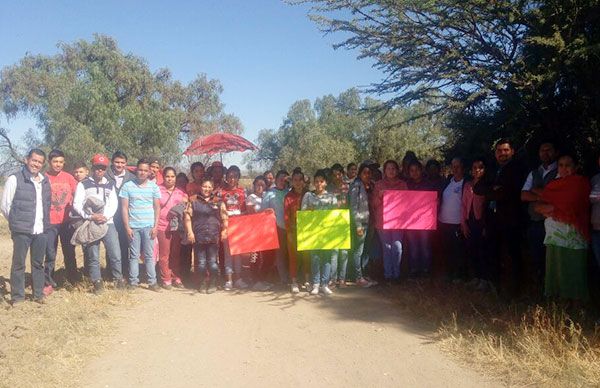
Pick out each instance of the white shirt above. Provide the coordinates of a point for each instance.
(451, 204)
(10, 187)
(528, 185)
(81, 195)
(119, 179)
(254, 201)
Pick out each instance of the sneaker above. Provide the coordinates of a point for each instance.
(371, 281)
(341, 284)
(41, 300)
(228, 286)
(98, 287)
(315, 290)
(48, 290)
(167, 286)
(241, 284)
(261, 286)
(325, 290)
(294, 288)
(364, 283)
(154, 287)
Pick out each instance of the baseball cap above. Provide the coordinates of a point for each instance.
(99, 160)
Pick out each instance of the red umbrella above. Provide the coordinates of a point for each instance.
(219, 143)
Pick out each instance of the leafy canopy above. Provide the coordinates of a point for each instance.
(91, 97)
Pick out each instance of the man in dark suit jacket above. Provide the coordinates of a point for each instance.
(504, 217)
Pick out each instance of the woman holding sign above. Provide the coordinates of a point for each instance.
(391, 240)
(320, 199)
(206, 224)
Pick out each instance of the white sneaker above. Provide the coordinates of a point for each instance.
(228, 286)
(315, 290)
(295, 288)
(241, 284)
(326, 291)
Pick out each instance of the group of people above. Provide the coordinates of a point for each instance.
(174, 223)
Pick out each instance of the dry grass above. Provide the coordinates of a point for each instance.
(519, 344)
(47, 345)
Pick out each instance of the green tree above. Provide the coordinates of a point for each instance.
(92, 97)
(521, 68)
(346, 129)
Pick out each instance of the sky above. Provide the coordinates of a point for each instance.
(267, 54)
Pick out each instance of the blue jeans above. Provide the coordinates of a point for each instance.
(22, 243)
(339, 263)
(113, 254)
(391, 241)
(233, 263)
(141, 241)
(358, 248)
(596, 245)
(207, 253)
(320, 262)
(419, 251)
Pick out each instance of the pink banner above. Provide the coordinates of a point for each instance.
(412, 210)
(252, 233)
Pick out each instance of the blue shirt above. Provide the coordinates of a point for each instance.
(273, 199)
(141, 203)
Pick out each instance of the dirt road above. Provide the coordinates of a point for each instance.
(354, 338)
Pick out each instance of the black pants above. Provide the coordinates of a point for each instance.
(64, 232)
(506, 262)
(22, 243)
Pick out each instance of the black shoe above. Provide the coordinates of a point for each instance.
(120, 284)
(154, 287)
(98, 287)
(132, 287)
(212, 286)
(41, 300)
(178, 285)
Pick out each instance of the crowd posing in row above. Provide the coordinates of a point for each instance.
(174, 224)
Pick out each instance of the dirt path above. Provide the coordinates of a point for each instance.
(355, 338)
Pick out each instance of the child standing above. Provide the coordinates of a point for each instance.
(253, 205)
(291, 204)
(320, 199)
(339, 257)
(234, 199)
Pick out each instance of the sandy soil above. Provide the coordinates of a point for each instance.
(354, 338)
